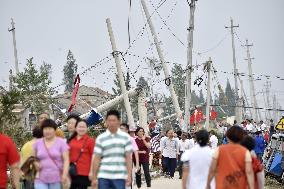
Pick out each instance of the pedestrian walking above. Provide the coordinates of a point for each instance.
(259, 145)
(271, 129)
(42, 117)
(184, 145)
(53, 156)
(9, 156)
(169, 150)
(144, 146)
(213, 141)
(28, 161)
(232, 163)
(135, 156)
(112, 162)
(249, 143)
(27, 149)
(81, 152)
(71, 125)
(156, 151)
(196, 163)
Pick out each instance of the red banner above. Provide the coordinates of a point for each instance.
(75, 91)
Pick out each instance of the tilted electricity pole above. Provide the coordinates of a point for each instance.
(120, 75)
(164, 65)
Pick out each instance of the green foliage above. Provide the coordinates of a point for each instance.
(19, 135)
(9, 120)
(34, 87)
(230, 94)
(70, 71)
(47, 68)
(7, 104)
(117, 90)
(178, 82)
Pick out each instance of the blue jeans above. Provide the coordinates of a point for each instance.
(111, 183)
(48, 185)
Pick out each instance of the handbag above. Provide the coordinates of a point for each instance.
(73, 165)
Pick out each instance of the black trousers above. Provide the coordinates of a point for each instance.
(80, 182)
(171, 164)
(146, 173)
(180, 164)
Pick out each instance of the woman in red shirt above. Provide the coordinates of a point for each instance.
(81, 151)
(144, 145)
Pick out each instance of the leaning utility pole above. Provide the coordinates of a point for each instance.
(251, 84)
(163, 62)
(208, 69)
(15, 46)
(189, 65)
(115, 54)
(237, 109)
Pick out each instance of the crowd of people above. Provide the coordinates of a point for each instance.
(117, 158)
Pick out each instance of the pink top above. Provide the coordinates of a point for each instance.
(134, 145)
(50, 171)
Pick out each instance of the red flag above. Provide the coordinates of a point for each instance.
(213, 114)
(75, 91)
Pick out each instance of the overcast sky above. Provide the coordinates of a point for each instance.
(46, 30)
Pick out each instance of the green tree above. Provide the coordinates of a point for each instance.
(117, 89)
(201, 97)
(34, 87)
(70, 71)
(230, 94)
(178, 80)
(142, 83)
(9, 120)
(45, 67)
(7, 104)
(194, 98)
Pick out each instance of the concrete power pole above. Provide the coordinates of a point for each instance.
(274, 117)
(267, 91)
(239, 103)
(251, 84)
(15, 45)
(189, 65)
(208, 67)
(120, 75)
(165, 68)
(142, 111)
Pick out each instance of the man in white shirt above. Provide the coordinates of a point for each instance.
(263, 126)
(249, 126)
(213, 141)
(169, 149)
(184, 145)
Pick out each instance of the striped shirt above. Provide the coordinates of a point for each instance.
(112, 149)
